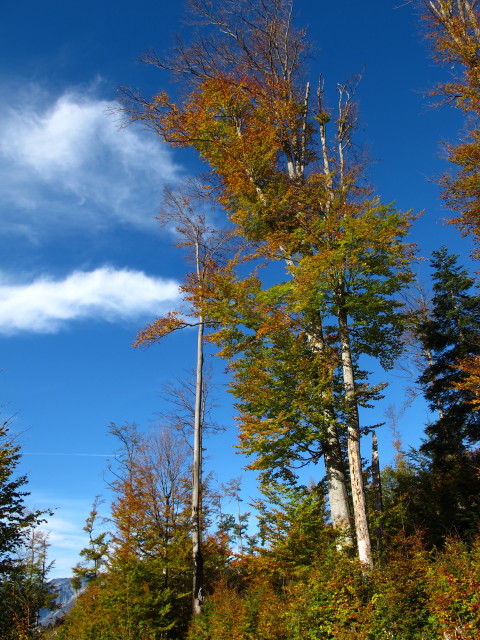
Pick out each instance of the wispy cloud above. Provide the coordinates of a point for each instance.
(66, 537)
(87, 455)
(65, 163)
(46, 305)
(65, 534)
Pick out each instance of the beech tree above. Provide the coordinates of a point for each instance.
(203, 63)
(139, 572)
(296, 195)
(471, 381)
(151, 486)
(454, 31)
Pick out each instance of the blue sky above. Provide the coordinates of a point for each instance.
(84, 262)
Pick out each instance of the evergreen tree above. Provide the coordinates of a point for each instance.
(450, 334)
(436, 502)
(23, 587)
(14, 519)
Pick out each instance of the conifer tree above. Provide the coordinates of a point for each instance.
(95, 554)
(15, 520)
(450, 334)
(23, 586)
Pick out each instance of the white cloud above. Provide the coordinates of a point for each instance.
(66, 537)
(64, 534)
(65, 163)
(46, 305)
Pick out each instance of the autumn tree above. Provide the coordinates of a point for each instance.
(470, 382)
(454, 31)
(128, 602)
(139, 574)
(151, 484)
(203, 64)
(294, 190)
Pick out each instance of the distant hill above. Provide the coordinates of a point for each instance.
(65, 599)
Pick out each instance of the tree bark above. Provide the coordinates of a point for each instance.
(354, 456)
(333, 458)
(377, 489)
(197, 479)
(337, 490)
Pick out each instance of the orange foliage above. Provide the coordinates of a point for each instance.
(455, 35)
(161, 327)
(471, 382)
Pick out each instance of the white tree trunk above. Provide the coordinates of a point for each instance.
(197, 479)
(354, 456)
(377, 489)
(332, 454)
(337, 490)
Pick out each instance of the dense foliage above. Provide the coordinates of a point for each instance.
(450, 334)
(410, 595)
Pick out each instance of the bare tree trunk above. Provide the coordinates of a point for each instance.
(197, 479)
(377, 489)
(354, 456)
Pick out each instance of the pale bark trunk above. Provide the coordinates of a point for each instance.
(354, 456)
(197, 479)
(333, 458)
(337, 490)
(377, 489)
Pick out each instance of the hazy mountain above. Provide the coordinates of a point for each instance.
(66, 596)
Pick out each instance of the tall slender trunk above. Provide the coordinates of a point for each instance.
(377, 490)
(353, 429)
(197, 479)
